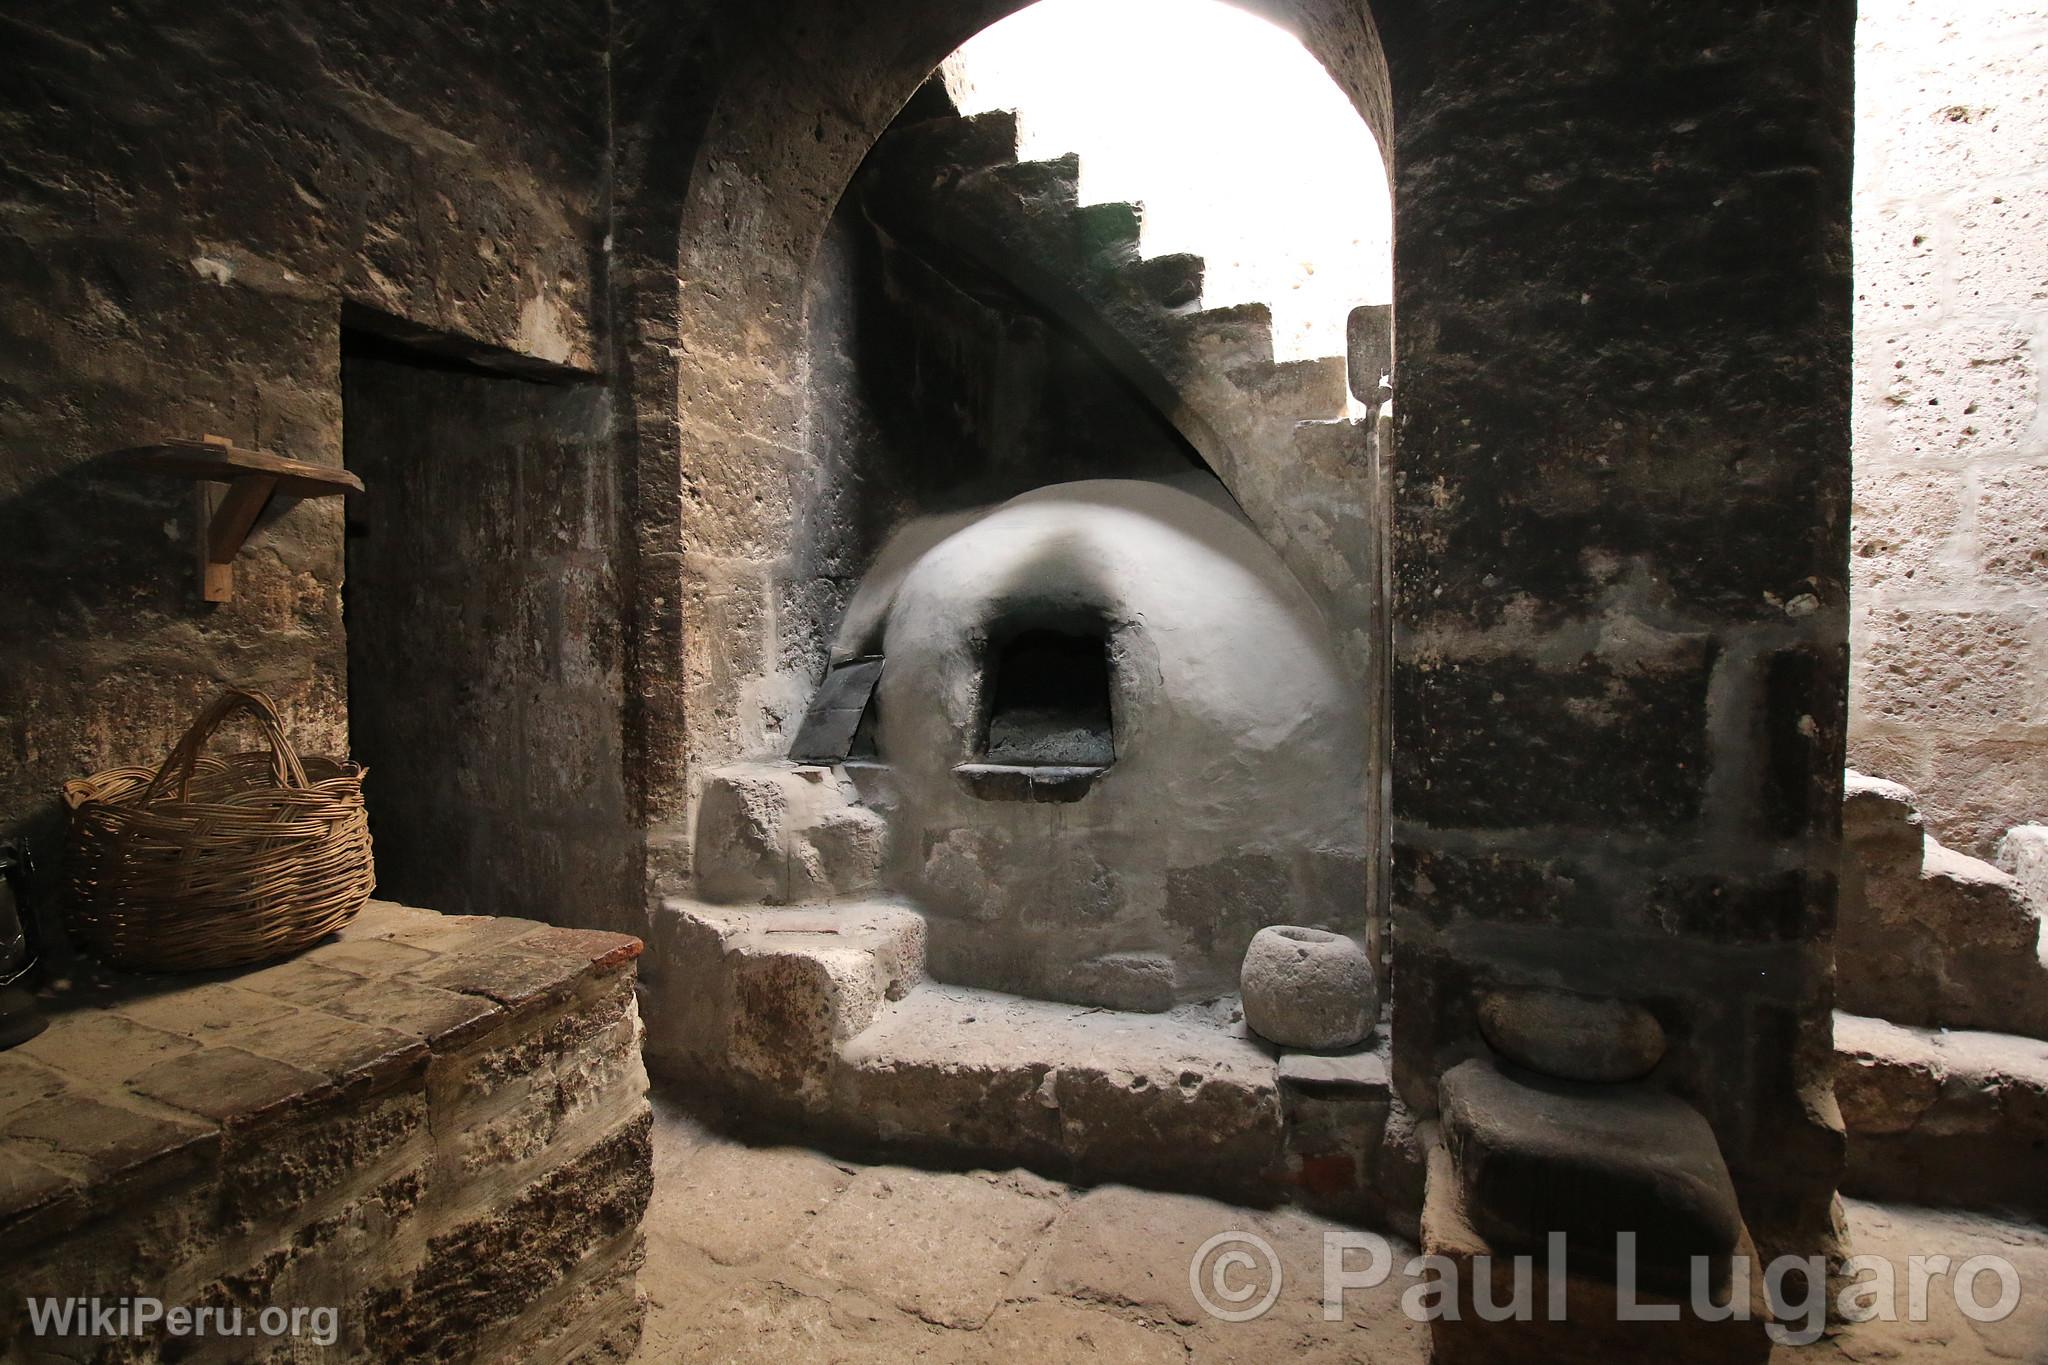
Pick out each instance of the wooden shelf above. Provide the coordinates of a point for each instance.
(251, 479)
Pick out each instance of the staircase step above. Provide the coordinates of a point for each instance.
(1173, 281)
(1305, 390)
(1109, 232)
(1928, 936)
(1945, 1117)
(782, 832)
(1030, 188)
(1232, 337)
(944, 149)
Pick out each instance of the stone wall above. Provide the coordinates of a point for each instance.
(435, 1129)
(1949, 689)
(928, 387)
(486, 684)
(188, 195)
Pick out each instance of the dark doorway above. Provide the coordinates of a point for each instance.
(481, 606)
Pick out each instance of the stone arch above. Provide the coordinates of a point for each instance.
(805, 90)
(1619, 501)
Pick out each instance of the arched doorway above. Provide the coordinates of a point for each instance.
(1617, 600)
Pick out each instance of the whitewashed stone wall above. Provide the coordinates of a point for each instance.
(1949, 685)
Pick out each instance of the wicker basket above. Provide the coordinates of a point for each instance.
(209, 862)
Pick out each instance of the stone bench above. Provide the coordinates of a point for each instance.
(435, 1126)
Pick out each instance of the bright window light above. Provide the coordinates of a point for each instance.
(1239, 145)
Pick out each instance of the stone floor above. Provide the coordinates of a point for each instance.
(786, 1256)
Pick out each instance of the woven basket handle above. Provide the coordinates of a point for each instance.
(284, 760)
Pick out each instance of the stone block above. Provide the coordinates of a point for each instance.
(2023, 855)
(1905, 529)
(106, 1143)
(1999, 261)
(1782, 907)
(841, 854)
(1369, 351)
(739, 493)
(206, 1013)
(507, 975)
(782, 833)
(1095, 1092)
(104, 1047)
(1534, 1156)
(277, 1173)
(348, 1052)
(1964, 672)
(1443, 887)
(1123, 981)
(1503, 742)
(1959, 392)
(1572, 1037)
(487, 1270)
(1928, 935)
(1899, 273)
(441, 1018)
(229, 1086)
(767, 994)
(1978, 788)
(787, 1011)
(1880, 817)
(1976, 112)
(764, 1198)
(1360, 1075)
(2012, 507)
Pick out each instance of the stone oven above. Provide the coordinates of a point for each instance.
(1113, 742)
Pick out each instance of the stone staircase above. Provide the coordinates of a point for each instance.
(1928, 936)
(1941, 1071)
(1276, 432)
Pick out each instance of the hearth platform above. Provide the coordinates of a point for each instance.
(436, 1127)
(819, 1022)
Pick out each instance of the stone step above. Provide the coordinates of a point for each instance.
(1109, 233)
(1062, 1087)
(1031, 190)
(1306, 390)
(1172, 282)
(1230, 338)
(770, 993)
(1943, 1117)
(945, 148)
(1929, 936)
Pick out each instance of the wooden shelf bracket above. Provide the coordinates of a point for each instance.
(235, 486)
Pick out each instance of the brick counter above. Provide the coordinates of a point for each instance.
(435, 1125)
